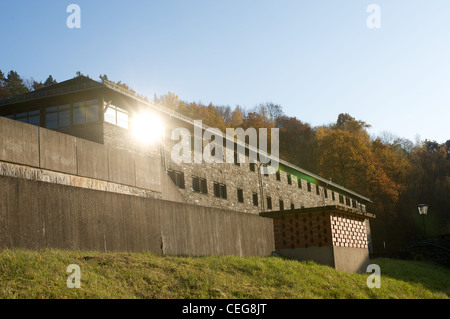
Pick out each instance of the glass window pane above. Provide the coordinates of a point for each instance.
(37, 112)
(122, 120)
(64, 107)
(10, 116)
(92, 113)
(110, 116)
(22, 115)
(51, 120)
(79, 115)
(64, 118)
(78, 104)
(35, 120)
(51, 109)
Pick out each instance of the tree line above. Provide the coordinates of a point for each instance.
(394, 172)
(13, 84)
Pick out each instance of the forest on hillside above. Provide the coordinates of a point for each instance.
(394, 172)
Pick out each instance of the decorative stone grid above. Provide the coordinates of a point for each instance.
(318, 230)
(348, 231)
(302, 231)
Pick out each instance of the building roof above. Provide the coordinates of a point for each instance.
(319, 209)
(83, 83)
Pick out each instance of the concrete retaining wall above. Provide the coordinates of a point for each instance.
(37, 215)
(19, 143)
(38, 147)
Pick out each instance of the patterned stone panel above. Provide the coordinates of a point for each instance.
(302, 231)
(348, 231)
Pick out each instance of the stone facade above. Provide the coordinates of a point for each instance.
(295, 189)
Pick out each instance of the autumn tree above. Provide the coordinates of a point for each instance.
(169, 100)
(345, 155)
(297, 143)
(236, 118)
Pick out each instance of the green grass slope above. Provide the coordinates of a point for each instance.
(42, 274)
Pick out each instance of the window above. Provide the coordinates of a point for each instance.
(333, 197)
(203, 186)
(255, 199)
(317, 190)
(75, 114)
(199, 185)
(122, 119)
(79, 113)
(341, 199)
(289, 179)
(240, 195)
(220, 190)
(117, 116)
(347, 201)
(299, 182)
(269, 203)
(51, 120)
(252, 167)
(309, 186)
(278, 176)
(281, 204)
(292, 206)
(32, 117)
(64, 116)
(177, 178)
(58, 116)
(92, 111)
(325, 192)
(195, 184)
(180, 179)
(354, 203)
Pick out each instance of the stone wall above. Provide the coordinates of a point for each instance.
(242, 177)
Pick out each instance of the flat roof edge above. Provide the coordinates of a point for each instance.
(319, 209)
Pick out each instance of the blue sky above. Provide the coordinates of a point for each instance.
(315, 58)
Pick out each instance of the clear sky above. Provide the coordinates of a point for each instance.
(315, 58)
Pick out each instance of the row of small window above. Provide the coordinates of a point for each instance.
(220, 190)
(32, 117)
(71, 114)
(62, 115)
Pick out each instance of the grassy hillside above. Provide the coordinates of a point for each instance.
(31, 274)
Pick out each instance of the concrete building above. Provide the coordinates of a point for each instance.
(97, 150)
